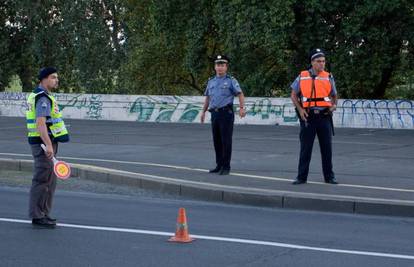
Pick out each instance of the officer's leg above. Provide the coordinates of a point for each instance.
(227, 137)
(43, 169)
(218, 146)
(307, 137)
(51, 187)
(324, 133)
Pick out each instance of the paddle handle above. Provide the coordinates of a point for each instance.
(44, 149)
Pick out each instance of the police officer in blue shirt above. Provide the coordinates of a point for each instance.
(220, 92)
(314, 96)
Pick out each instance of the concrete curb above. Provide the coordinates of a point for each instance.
(232, 194)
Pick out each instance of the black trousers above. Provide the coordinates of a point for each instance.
(320, 125)
(222, 122)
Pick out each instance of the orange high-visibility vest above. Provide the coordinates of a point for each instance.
(321, 96)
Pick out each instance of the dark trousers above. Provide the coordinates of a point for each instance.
(43, 183)
(319, 125)
(222, 126)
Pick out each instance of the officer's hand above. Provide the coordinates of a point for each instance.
(242, 112)
(332, 108)
(49, 152)
(303, 114)
(203, 116)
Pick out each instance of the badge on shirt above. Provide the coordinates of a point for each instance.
(44, 105)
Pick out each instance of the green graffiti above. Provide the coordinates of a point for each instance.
(164, 116)
(264, 108)
(190, 113)
(165, 112)
(143, 107)
(73, 102)
(95, 107)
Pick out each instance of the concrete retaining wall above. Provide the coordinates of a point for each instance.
(390, 114)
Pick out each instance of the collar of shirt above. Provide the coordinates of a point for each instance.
(312, 72)
(221, 77)
(40, 89)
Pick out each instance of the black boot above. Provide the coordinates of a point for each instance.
(298, 181)
(225, 171)
(215, 170)
(43, 222)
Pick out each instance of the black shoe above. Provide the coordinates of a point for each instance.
(331, 181)
(50, 219)
(216, 169)
(224, 172)
(43, 222)
(297, 181)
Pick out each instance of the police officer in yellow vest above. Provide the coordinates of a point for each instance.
(45, 126)
(314, 96)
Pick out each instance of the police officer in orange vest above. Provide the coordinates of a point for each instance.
(314, 96)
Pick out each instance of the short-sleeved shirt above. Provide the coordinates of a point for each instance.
(296, 86)
(221, 90)
(43, 105)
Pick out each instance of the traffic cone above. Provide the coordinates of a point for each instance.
(181, 234)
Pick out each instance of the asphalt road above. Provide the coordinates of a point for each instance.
(326, 239)
(362, 157)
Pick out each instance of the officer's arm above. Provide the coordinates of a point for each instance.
(242, 111)
(334, 100)
(302, 112)
(241, 100)
(42, 128)
(205, 107)
(206, 102)
(295, 100)
(334, 96)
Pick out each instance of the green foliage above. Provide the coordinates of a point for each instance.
(15, 84)
(166, 46)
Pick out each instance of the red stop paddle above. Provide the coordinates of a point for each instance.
(60, 168)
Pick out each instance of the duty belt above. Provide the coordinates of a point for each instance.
(319, 112)
(221, 109)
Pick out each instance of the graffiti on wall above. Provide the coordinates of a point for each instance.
(91, 103)
(265, 109)
(391, 114)
(13, 104)
(167, 109)
(376, 113)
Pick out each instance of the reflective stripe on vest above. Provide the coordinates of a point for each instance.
(322, 92)
(57, 127)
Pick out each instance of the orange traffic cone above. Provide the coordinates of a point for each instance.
(181, 234)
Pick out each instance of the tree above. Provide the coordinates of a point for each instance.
(364, 40)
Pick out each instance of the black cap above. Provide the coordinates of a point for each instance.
(45, 72)
(221, 59)
(315, 53)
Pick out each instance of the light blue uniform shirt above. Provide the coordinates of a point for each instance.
(43, 105)
(296, 87)
(222, 90)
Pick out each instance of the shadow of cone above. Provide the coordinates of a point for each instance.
(181, 233)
